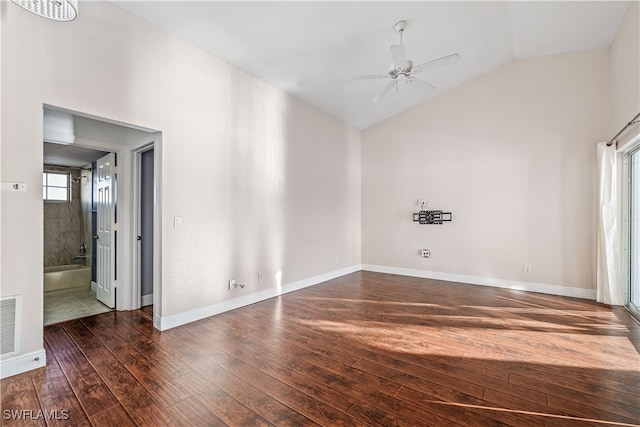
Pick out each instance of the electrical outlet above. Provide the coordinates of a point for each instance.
(422, 203)
(260, 277)
(233, 284)
(527, 269)
(425, 253)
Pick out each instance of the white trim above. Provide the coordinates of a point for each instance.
(146, 300)
(137, 301)
(157, 228)
(22, 363)
(94, 286)
(486, 281)
(624, 207)
(168, 322)
(630, 146)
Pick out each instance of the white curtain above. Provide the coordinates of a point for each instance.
(609, 287)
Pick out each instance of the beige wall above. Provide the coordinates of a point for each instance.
(625, 73)
(512, 155)
(263, 182)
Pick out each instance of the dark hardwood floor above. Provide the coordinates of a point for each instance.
(364, 349)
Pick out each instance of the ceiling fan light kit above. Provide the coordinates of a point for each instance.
(57, 10)
(402, 69)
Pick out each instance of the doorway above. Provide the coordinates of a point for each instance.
(85, 133)
(69, 218)
(145, 226)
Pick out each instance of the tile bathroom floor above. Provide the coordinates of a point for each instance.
(60, 306)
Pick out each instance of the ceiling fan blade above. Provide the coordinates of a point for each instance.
(384, 91)
(421, 84)
(437, 63)
(399, 55)
(368, 76)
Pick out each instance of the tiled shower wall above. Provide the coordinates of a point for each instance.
(65, 225)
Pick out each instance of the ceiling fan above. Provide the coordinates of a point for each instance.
(403, 69)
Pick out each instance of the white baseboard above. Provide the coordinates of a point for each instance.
(22, 363)
(168, 322)
(146, 300)
(485, 281)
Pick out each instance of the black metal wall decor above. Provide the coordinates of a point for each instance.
(431, 217)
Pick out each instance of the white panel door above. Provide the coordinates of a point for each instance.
(106, 237)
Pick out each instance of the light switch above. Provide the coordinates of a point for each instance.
(177, 222)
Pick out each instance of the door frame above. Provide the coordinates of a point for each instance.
(137, 184)
(624, 174)
(128, 291)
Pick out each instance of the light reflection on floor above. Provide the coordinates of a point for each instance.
(475, 328)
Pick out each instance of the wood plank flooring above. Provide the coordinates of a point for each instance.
(363, 349)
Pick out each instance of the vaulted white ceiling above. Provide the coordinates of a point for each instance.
(309, 49)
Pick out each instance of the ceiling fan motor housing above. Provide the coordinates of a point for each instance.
(405, 69)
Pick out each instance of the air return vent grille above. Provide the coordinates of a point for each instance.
(9, 325)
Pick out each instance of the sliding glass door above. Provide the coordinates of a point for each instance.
(634, 230)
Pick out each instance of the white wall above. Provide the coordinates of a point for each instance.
(512, 155)
(263, 182)
(625, 73)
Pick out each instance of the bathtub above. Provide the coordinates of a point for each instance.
(66, 277)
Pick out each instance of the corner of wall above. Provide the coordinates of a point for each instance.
(168, 322)
(624, 57)
(541, 288)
